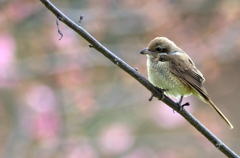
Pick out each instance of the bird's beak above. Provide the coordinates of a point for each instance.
(145, 51)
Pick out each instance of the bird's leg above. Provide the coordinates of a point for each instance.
(150, 99)
(180, 102)
(160, 90)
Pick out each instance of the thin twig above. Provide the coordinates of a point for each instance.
(80, 19)
(131, 71)
(59, 31)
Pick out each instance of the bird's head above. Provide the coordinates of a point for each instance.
(160, 46)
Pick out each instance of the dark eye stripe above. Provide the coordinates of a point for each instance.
(158, 49)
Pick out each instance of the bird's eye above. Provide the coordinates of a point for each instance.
(158, 49)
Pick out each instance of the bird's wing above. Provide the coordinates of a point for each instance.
(182, 66)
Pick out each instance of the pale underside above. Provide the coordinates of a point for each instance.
(160, 76)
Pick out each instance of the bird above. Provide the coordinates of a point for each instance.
(172, 70)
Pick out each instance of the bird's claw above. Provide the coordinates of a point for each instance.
(160, 90)
(150, 99)
(181, 106)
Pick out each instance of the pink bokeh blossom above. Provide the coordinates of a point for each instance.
(41, 99)
(18, 10)
(7, 58)
(165, 117)
(44, 123)
(82, 151)
(116, 139)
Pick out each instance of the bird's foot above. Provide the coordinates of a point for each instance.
(150, 99)
(160, 90)
(181, 106)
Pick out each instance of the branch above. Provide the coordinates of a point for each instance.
(131, 71)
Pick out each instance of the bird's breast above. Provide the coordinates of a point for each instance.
(160, 75)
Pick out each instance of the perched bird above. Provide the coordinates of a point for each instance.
(172, 70)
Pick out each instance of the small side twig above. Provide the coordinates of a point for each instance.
(80, 19)
(59, 31)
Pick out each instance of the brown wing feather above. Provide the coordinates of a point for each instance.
(189, 77)
(185, 70)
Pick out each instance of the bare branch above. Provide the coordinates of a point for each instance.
(131, 71)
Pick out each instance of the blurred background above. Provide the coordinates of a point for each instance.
(62, 99)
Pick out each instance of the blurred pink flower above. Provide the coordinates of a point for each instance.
(18, 10)
(7, 57)
(45, 126)
(165, 117)
(116, 139)
(41, 98)
(45, 120)
(82, 151)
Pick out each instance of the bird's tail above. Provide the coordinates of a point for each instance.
(220, 113)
